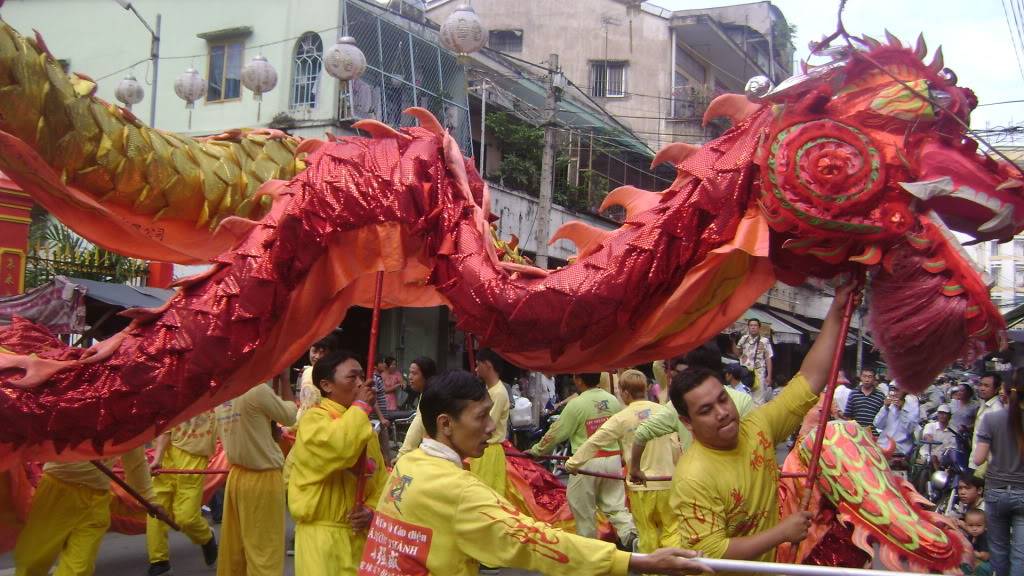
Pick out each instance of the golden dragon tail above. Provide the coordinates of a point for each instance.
(109, 174)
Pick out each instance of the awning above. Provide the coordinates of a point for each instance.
(60, 304)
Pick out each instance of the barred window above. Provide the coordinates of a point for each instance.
(607, 79)
(505, 40)
(309, 51)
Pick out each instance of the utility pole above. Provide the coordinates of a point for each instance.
(548, 162)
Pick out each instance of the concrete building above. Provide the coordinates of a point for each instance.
(654, 69)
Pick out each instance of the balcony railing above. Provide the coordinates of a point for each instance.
(404, 70)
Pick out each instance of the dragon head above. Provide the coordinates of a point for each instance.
(869, 161)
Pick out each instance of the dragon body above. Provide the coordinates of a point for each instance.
(861, 162)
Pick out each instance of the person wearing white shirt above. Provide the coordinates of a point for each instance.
(841, 395)
(896, 423)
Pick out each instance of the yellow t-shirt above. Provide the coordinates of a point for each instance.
(721, 494)
(499, 412)
(322, 475)
(659, 455)
(244, 425)
(136, 472)
(197, 436)
(413, 436)
(436, 518)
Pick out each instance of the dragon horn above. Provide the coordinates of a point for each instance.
(377, 129)
(129, 173)
(735, 107)
(938, 63)
(921, 49)
(871, 42)
(427, 120)
(673, 153)
(893, 40)
(634, 200)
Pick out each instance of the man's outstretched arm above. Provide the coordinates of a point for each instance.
(818, 362)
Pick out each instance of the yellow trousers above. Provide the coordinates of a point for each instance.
(252, 532)
(587, 494)
(66, 523)
(182, 496)
(490, 467)
(655, 524)
(326, 549)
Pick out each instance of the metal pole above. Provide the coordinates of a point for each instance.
(826, 409)
(483, 125)
(860, 340)
(547, 166)
(154, 53)
(722, 565)
(151, 508)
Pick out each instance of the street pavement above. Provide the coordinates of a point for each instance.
(122, 555)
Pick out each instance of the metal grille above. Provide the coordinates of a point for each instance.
(404, 69)
(306, 68)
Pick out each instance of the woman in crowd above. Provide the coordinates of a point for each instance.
(421, 370)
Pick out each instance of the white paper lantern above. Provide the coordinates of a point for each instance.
(129, 91)
(463, 32)
(259, 76)
(345, 61)
(190, 86)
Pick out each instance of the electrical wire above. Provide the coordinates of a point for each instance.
(1013, 39)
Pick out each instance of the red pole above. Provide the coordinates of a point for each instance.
(371, 360)
(826, 409)
(470, 344)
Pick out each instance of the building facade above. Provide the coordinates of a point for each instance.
(654, 69)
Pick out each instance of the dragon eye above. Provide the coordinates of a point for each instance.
(942, 98)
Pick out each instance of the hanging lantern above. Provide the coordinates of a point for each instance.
(190, 86)
(462, 31)
(345, 61)
(129, 91)
(259, 76)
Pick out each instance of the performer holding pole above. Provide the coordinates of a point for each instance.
(71, 512)
(187, 446)
(725, 490)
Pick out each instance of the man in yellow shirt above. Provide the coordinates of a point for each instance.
(650, 502)
(490, 467)
(582, 417)
(725, 487)
(434, 517)
(336, 458)
(187, 446)
(252, 534)
(70, 513)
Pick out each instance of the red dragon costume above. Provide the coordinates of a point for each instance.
(861, 162)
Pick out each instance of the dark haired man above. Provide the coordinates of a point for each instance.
(756, 355)
(336, 451)
(582, 416)
(988, 396)
(437, 518)
(725, 485)
(490, 466)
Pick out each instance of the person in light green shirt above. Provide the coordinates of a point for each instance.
(582, 417)
(666, 421)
